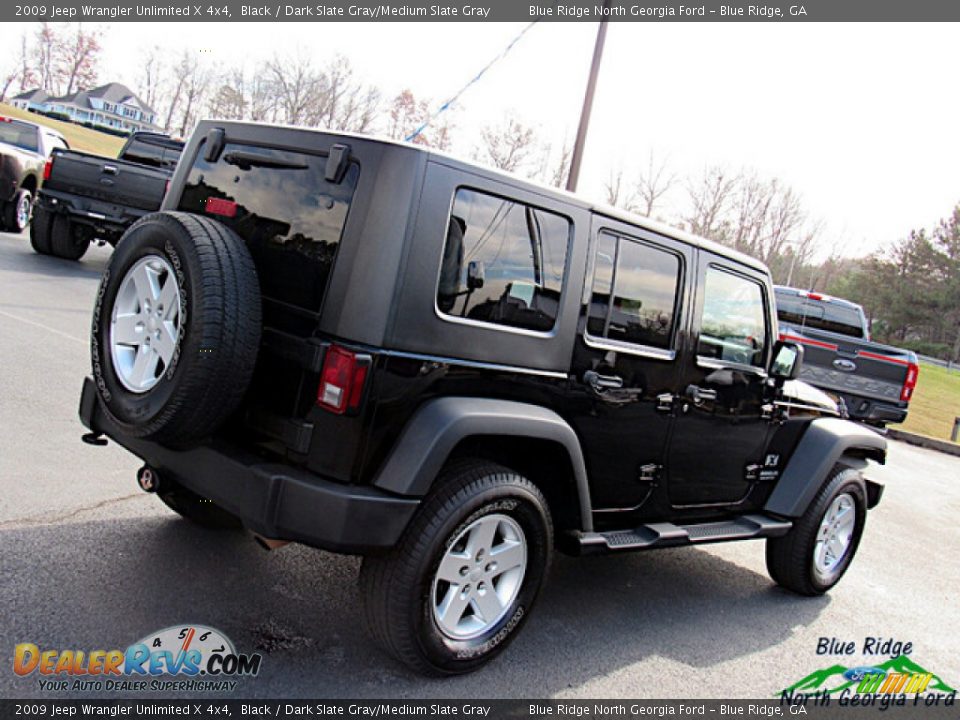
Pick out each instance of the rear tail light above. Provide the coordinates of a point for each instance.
(47, 168)
(913, 371)
(341, 380)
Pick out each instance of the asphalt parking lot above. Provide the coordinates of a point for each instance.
(89, 561)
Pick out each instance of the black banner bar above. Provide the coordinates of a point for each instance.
(890, 706)
(481, 11)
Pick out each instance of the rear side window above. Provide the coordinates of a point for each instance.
(281, 204)
(634, 294)
(733, 326)
(155, 153)
(820, 315)
(503, 262)
(19, 135)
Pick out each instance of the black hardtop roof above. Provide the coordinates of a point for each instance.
(511, 179)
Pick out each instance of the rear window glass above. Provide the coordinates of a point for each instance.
(503, 262)
(19, 135)
(819, 315)
(281, 204)
(157, 154)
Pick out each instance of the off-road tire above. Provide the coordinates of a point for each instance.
(790, 557)
(197, 509)
(397, 587)
(219, 335)
(66, 240)
(40, 227)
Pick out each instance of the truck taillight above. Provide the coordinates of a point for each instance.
(341, 380)
(913, 370)
(47, 168)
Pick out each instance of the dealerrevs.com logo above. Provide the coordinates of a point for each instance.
(181, 657)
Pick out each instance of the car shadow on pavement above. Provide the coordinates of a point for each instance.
(106, 584)
(26, 261)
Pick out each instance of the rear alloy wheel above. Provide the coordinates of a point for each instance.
(67, 240)
(40, 231)
(16, 214)
(464, 577)
(814, 555)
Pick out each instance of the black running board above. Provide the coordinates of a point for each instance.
(660, 535)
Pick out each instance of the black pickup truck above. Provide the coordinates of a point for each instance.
(875, 382)
(374, 349)
(88, 197)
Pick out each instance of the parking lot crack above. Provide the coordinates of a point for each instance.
(55, 519)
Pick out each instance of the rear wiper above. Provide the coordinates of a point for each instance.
(247, 160)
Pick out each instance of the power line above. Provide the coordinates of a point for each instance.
(449, 103)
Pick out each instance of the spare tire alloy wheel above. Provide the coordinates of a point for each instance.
(145, 323)
(176, 329)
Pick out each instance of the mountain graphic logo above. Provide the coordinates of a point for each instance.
(836, 678)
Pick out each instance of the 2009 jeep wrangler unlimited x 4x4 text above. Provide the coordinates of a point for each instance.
(374, 349)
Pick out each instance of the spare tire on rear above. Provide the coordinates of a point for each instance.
(176, 328)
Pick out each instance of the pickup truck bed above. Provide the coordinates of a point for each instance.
(874, 381)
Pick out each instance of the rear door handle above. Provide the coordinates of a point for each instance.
(110, 169)
(602, 382)
(700, 395)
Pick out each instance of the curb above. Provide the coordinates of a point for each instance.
(925, 442)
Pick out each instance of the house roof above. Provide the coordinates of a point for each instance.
(36, 95)
(111, 92)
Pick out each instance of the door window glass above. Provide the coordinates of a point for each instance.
(643, 281)
(733, 326)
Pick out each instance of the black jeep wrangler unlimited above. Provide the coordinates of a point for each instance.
(374, 349)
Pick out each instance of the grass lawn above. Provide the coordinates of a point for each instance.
(936, 402)
(79, 137)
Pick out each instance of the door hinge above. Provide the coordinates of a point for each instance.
(650, 473)
(665, 402)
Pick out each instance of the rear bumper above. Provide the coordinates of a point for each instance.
(272, 499)
(104, 216)
(875, 411)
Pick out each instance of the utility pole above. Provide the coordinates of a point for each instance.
(578, 144)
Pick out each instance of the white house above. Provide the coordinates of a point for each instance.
(113, 106)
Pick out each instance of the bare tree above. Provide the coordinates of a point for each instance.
(184, 68)
(710, 197)
(508, 146)
(45, 50)
(78, 57)
(408, 117)
(195, 88)
(151, 76)
(296, 86)
(654, 182)
(343, 102)
(618, 194)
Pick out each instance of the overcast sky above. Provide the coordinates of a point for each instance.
(861, 119)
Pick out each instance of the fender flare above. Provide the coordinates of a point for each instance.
(437, 426)
(826, 442)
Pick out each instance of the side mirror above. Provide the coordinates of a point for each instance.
(475, 275)
(787, 360)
